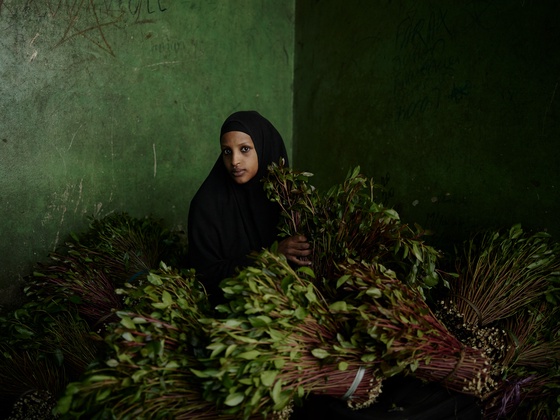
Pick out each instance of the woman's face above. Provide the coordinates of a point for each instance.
(239, 156)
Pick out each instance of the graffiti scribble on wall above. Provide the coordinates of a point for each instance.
(87, 20)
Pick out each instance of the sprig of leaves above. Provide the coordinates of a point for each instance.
(152, 349)
(502, 271)
(279, 342)
(346, 222)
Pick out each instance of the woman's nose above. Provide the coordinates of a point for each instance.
(235, 159)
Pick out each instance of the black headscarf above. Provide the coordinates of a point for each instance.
(228, 221)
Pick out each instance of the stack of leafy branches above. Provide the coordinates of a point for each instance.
(504, 301)
(146, 373)
(532, 379)
(43, 346)
(129, 247)
(400, 331)
(347, 222)
(48, 341)
(115, 249)
(282, 340)
(278, 343)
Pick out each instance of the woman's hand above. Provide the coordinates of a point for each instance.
(296, 249)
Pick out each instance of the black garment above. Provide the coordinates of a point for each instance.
(228, 221)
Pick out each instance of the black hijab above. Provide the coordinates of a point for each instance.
(228, 221)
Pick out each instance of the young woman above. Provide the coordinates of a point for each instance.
(230, 215)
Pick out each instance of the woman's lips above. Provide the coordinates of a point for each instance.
(237, 172)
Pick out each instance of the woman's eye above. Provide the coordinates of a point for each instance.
(245, 149)
(226, 152)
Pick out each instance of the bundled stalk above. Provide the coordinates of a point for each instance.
(532, 367)
(526, 397)
(128, 247)
(42, 347)
(80, 284)
(400, 330)
(346, 222)
(279, 343)
(502, 272)
(147, 372)
(504, 300)
(281, 340)
(77, 283)
(535, 339)
(115, 249)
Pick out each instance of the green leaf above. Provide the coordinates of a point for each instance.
(255, 398)
(276, 392)
(166, 298)
(234, 399)
(279, 363)
(64, 404)
(320, 353)
(112, 363)
(24, 332)
(155, 279)
(301, 313)
(416, 251)
(267, 377)
(104, 393)
(260, 321)
(138, 374)
(431, 280)
(249, 355)
(310, 295)
(100, 378)
(127, 336)
(342, 280)
(230, 349)
(128, 323)
(216, 348)
(367, 358)
(307, 271)
(374, 292)
(339, 306)
(202, 373)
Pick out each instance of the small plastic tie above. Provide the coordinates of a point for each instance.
(355, 384)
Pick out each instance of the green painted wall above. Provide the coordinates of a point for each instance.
(453, 105)
(113, 105)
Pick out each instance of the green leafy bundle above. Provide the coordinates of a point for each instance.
(282, 340)
(278, 343)
(505, 302)
(81, 284)
(398, 330)
(43, 346)
(113, 250)
(147, 371)
(532, 375)
(129, 247)
(46, 342)
(501, 272)
(346, 222)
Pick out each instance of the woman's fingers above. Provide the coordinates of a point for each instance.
(302, 249)
(296, 249)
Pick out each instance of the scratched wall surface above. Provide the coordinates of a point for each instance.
(112, 105)
(453, 106)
